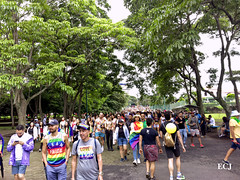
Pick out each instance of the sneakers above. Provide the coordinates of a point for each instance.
(148, 175)
(225, 162)
(122, 160)
(181, 176)
(135, 162)
(154, 178)
(125, 158)
(171, 177)
(138, 161)
(192, 145)
(201, 146)
(40, 150)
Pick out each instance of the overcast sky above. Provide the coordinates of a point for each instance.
(119, 12)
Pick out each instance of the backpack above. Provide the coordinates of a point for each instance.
(95, 149)
(168, 140)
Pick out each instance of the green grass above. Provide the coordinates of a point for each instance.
(218, 117)
(5, 127)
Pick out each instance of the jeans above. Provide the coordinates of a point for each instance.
(56, 173)
(183, 133)
(109, 136)
(136, 152)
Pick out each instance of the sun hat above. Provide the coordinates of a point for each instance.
(137, 115)
(235, 113)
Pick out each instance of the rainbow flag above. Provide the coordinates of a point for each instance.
(70, 131)
(134, 135)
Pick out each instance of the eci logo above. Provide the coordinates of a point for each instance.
(224, 166)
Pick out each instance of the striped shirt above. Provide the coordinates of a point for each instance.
(56, 149)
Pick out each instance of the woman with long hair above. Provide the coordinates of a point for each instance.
(136, 128)
(68, 130)
(122, 137)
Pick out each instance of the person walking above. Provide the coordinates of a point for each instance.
(150, 137)
(86, 157)
(234, 125)
(122, 135)
(99, 129)
(34, 131)
(58, 148)
(175, 150)
(203, 125)
(181, 122)
(109, 133)
(136, 128)
(20, 145)
(194, 128)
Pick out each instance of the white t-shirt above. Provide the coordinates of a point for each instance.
(62, 124)
(18, 147)
(212, 122)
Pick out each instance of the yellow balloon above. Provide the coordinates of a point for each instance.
(171, 128)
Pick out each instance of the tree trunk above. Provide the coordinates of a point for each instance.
(65, 106)
(12, 117)
(21, 106)
(40, 106)
(188, 95)
(194, 66)
(233, 82)
(80, 103)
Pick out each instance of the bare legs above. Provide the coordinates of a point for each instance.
(150, 166)
(230, 151)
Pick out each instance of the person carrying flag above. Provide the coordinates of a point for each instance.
(136, 128)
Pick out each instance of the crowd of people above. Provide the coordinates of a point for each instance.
(140, 131)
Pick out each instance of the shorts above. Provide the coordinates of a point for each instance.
(151, 152)
(156, 126)
(170, 151)
(235, 146)
(194, 132)
(122, 141)
(99, 134)
(18, 168)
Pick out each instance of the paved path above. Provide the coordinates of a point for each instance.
(197, 164)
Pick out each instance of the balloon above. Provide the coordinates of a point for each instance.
(171, 128)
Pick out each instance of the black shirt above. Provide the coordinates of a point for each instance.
(163, 129)
(149, 136)
(181, 123)
(30, 131)
(121, 132)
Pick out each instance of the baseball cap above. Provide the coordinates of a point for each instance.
(84, 126)
(53, 122)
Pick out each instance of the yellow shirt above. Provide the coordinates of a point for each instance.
(236, 128)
